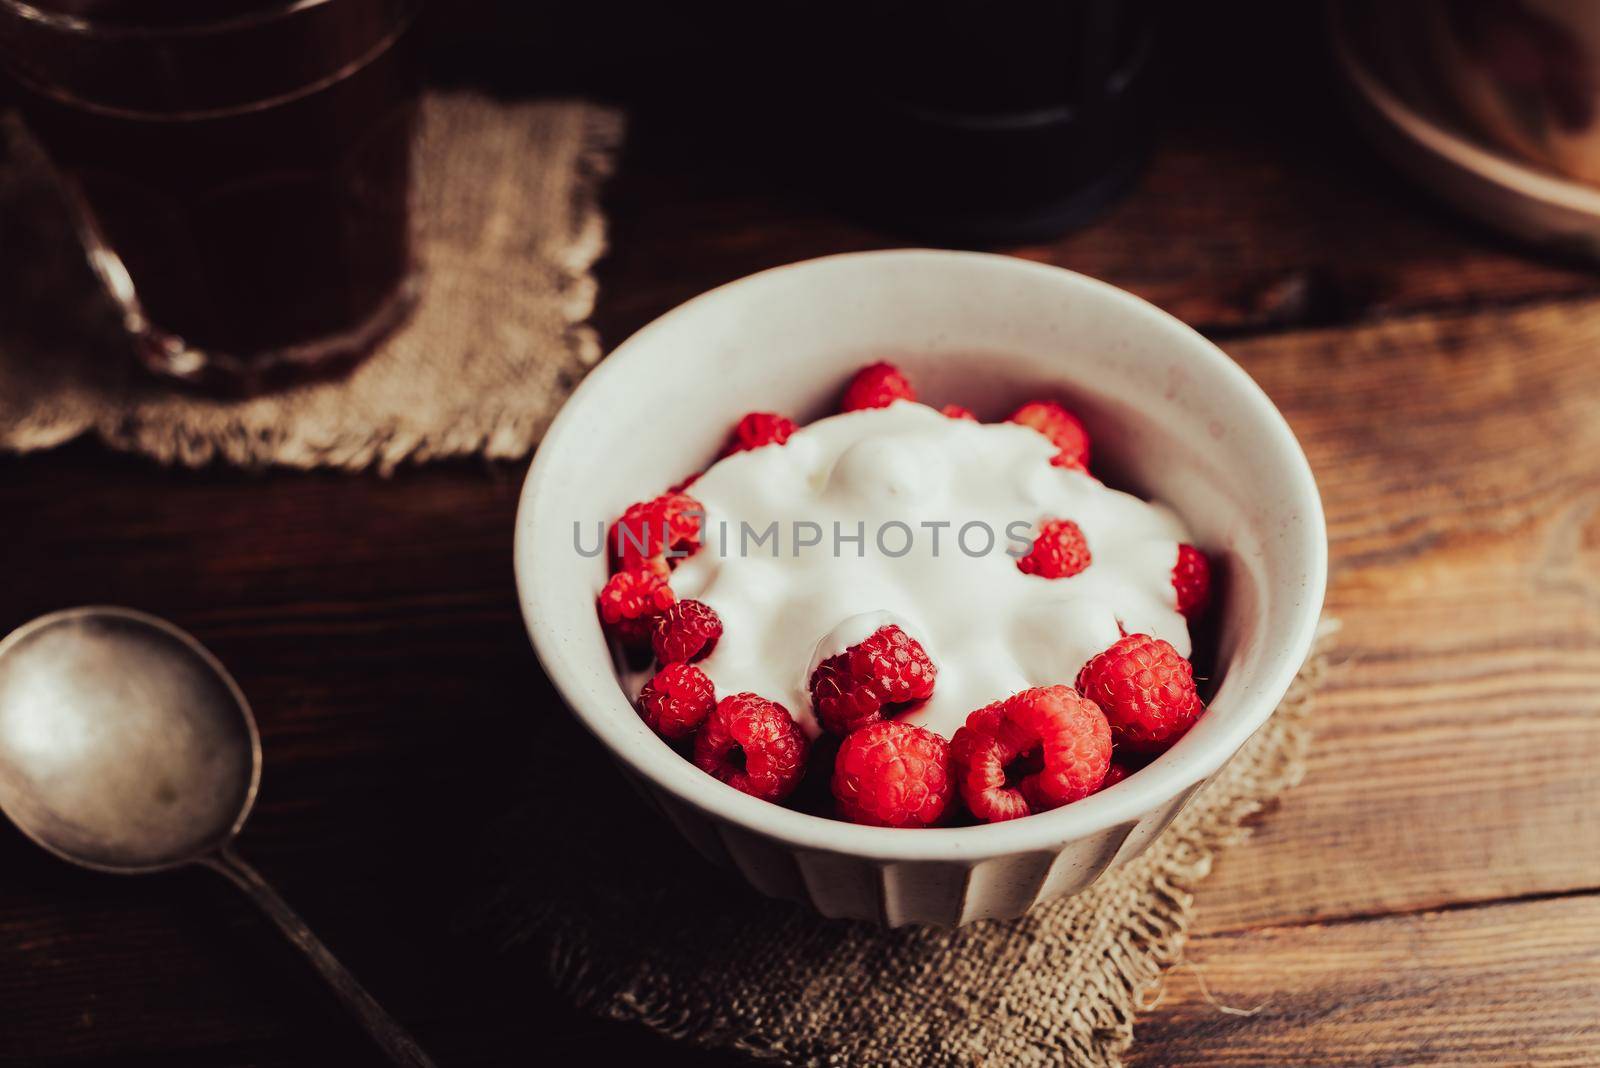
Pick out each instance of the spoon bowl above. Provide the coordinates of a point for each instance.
(124, 745)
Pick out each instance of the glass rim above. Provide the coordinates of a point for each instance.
(79, 24)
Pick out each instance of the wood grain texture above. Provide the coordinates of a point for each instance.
(1454, 761)
(1259, 211)
(1446, 387)
(399, 707)
(1459, 461)
(1505, 984)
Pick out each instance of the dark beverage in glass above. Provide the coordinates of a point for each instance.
(981, 121)
(242, 170)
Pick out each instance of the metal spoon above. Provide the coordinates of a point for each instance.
(126, 747)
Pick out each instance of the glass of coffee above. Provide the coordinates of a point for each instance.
(241, 171)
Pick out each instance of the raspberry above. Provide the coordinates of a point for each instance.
(631, 600)
(1191, 578)
(758, 429)
(876, 386)
(685, 632)
(753, 745)
(955, 411)
(891, 774)
(1060, 551)
(1037, 750)
(637, 537)
(1061, 427)
(1146, 689)
(854, 688)
(1115, 774)
(677, 700)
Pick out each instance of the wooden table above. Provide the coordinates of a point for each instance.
(1428, 894)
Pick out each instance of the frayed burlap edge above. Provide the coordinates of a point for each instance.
(1118, 939)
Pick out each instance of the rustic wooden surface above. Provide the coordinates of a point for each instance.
(1429, 894)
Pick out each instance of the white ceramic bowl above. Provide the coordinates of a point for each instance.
(1169, 415)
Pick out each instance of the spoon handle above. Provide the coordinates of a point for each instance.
(385, 1030)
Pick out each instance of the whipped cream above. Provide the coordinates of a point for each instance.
(937, 503)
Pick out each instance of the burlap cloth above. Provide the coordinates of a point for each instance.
(509, 227)
(630, 925)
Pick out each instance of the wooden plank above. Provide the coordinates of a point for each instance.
(1503, 984)
(1455, 747)
(373, 624)
(1262, 207)
(1454, 764)
(1459, 462)
(1252, 216)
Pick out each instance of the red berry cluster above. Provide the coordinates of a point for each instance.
(1027, 753)
(747, 741)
